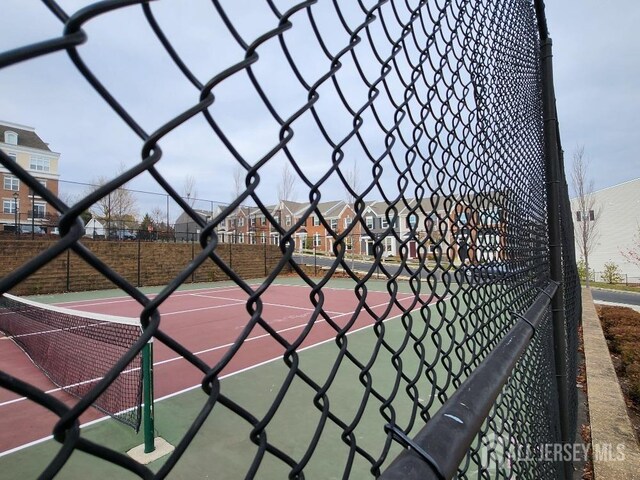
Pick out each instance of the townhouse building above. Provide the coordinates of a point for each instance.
(458, 229)
(375, 226)
(287, 213)
(21, 206)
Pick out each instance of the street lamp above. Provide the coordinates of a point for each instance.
(15, 209)
(33, 214)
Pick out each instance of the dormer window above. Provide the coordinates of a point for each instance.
(11, 138)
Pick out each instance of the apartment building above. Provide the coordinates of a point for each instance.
(20, 205)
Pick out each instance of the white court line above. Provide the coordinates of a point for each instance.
(114, 300)
(307, 309)
(213, 307)
(230, 374)
(201, 352)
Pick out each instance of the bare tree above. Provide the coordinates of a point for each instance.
(158, 216)
(238, 184)
(118, 206)
(352, 185)
(588, 212)
(633, 254)
(189, 189)
(68, 198)
(287, 185)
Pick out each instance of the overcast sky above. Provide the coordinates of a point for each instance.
(597, 78)
(596, 62)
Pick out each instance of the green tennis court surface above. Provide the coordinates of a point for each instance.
(223, 448)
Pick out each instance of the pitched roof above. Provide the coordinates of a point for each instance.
(293, 207)
(27, 136)
(328, 209)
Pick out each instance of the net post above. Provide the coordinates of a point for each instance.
(147, 392)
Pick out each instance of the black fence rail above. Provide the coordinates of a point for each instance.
(437, 120)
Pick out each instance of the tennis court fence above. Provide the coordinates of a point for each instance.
(437, 123)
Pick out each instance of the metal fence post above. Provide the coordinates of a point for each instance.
(139, 252)
(68, 271)
(552, 169)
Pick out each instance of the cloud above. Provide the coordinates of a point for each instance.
(596, 67)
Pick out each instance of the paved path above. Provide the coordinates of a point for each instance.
(611, 297)
(630, 298)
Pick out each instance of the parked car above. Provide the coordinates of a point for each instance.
(121, 235)
(28, 229)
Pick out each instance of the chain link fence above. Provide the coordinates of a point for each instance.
(436, 118)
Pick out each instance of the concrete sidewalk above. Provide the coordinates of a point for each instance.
(616, 455)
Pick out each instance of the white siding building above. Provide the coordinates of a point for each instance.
(619, 220)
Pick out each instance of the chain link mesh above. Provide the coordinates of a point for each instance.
(439, 104)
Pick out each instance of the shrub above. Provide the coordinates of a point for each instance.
(582, 271)
(611, 273)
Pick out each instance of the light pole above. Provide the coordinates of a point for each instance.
(33, 214)
(15, 209)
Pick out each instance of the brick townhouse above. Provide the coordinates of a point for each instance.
(456, 228)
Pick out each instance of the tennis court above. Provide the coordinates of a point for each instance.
(208, 319)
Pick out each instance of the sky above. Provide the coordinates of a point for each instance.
(596, 67)
(596, 62)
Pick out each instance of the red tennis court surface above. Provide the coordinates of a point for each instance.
(207, 322)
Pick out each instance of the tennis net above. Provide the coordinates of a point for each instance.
(76, 349)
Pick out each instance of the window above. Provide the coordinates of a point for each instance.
(11, 183)
(233, 222)
(9, 206)
(412, 221)
(263, 237)
(315, 221)
(11, 138)
(578, 217)
(347, 222)
(253, 221)
(369, 221)
(40, 164)
(316, 240)
(241, 222)
(12, 156)
(334, 223)
(592, 216)
(384, 223)
(287, 220)
(241, 238)
(252, 239)
(263, 221)
(39, 210)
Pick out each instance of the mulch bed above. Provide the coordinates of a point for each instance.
(621, 328)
